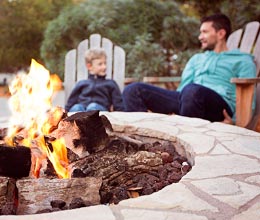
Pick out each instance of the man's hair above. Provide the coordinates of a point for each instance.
(220, 21)
(94, 53)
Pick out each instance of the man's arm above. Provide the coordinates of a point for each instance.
(187, 76)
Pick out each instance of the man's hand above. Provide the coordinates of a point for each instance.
(227, 118)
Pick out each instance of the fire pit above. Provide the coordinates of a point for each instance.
(60, 162)
(105, 167)
(223, 183)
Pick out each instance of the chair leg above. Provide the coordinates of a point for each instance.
(254, 124)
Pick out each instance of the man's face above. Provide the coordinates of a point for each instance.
(98, 66)
(208, 36)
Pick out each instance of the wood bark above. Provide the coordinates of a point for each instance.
(128, 163)
(7, 196)
(84, 133)
(39, 195)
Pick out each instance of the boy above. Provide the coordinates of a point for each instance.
(96, 92)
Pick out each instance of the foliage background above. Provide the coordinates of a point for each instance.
(158, 35)
(22, 24)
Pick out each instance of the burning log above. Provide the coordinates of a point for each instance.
(83, 132)
(15, 161)
(56, 194)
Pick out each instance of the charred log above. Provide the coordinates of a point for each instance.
(56, 194)
(129, 169)
(3, 133)
(84, 132)
(15, 161)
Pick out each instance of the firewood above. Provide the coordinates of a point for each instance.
(54, 115)
(7, 196)
(48, 192)
(84, 132)
(131, 167)
(15, 161)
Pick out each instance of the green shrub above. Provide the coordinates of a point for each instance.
(143, 28)
(145, 58)
(22, 24)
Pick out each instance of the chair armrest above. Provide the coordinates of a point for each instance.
(169, 82)
(129, 80)
(161, 79)
(244, 98)
(245, 80)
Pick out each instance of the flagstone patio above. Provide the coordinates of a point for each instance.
(224, 182)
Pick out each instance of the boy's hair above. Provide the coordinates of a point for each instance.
(220, 21)
(94, 53)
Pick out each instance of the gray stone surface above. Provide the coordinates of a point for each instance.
(224, 182)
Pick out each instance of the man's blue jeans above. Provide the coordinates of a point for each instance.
(92, 106)
(193, 101)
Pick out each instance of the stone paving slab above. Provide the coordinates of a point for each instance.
(224, 182)
(99, 212)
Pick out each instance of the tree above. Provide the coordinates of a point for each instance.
(22, 23)
(240, 12)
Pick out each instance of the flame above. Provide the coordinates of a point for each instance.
(34, 117)
(59, 158)
(56, 82)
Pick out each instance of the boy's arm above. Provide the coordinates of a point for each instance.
(117, 100)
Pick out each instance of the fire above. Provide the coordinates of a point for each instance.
(56, 82)
(33, 117)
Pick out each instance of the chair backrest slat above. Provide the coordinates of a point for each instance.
(82, 71)
(249, 36)
(256, 54)
(119, 66)
(234, 39)
(108, 47)
(70, 71)
(95, 40)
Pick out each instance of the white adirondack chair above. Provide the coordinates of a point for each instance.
(75, 68)
(247, 40)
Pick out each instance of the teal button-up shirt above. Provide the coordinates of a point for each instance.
(214, 70)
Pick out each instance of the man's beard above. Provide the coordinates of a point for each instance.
(209, 47)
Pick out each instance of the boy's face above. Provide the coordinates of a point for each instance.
(98, 66)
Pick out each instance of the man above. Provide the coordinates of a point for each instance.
(205, 90)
